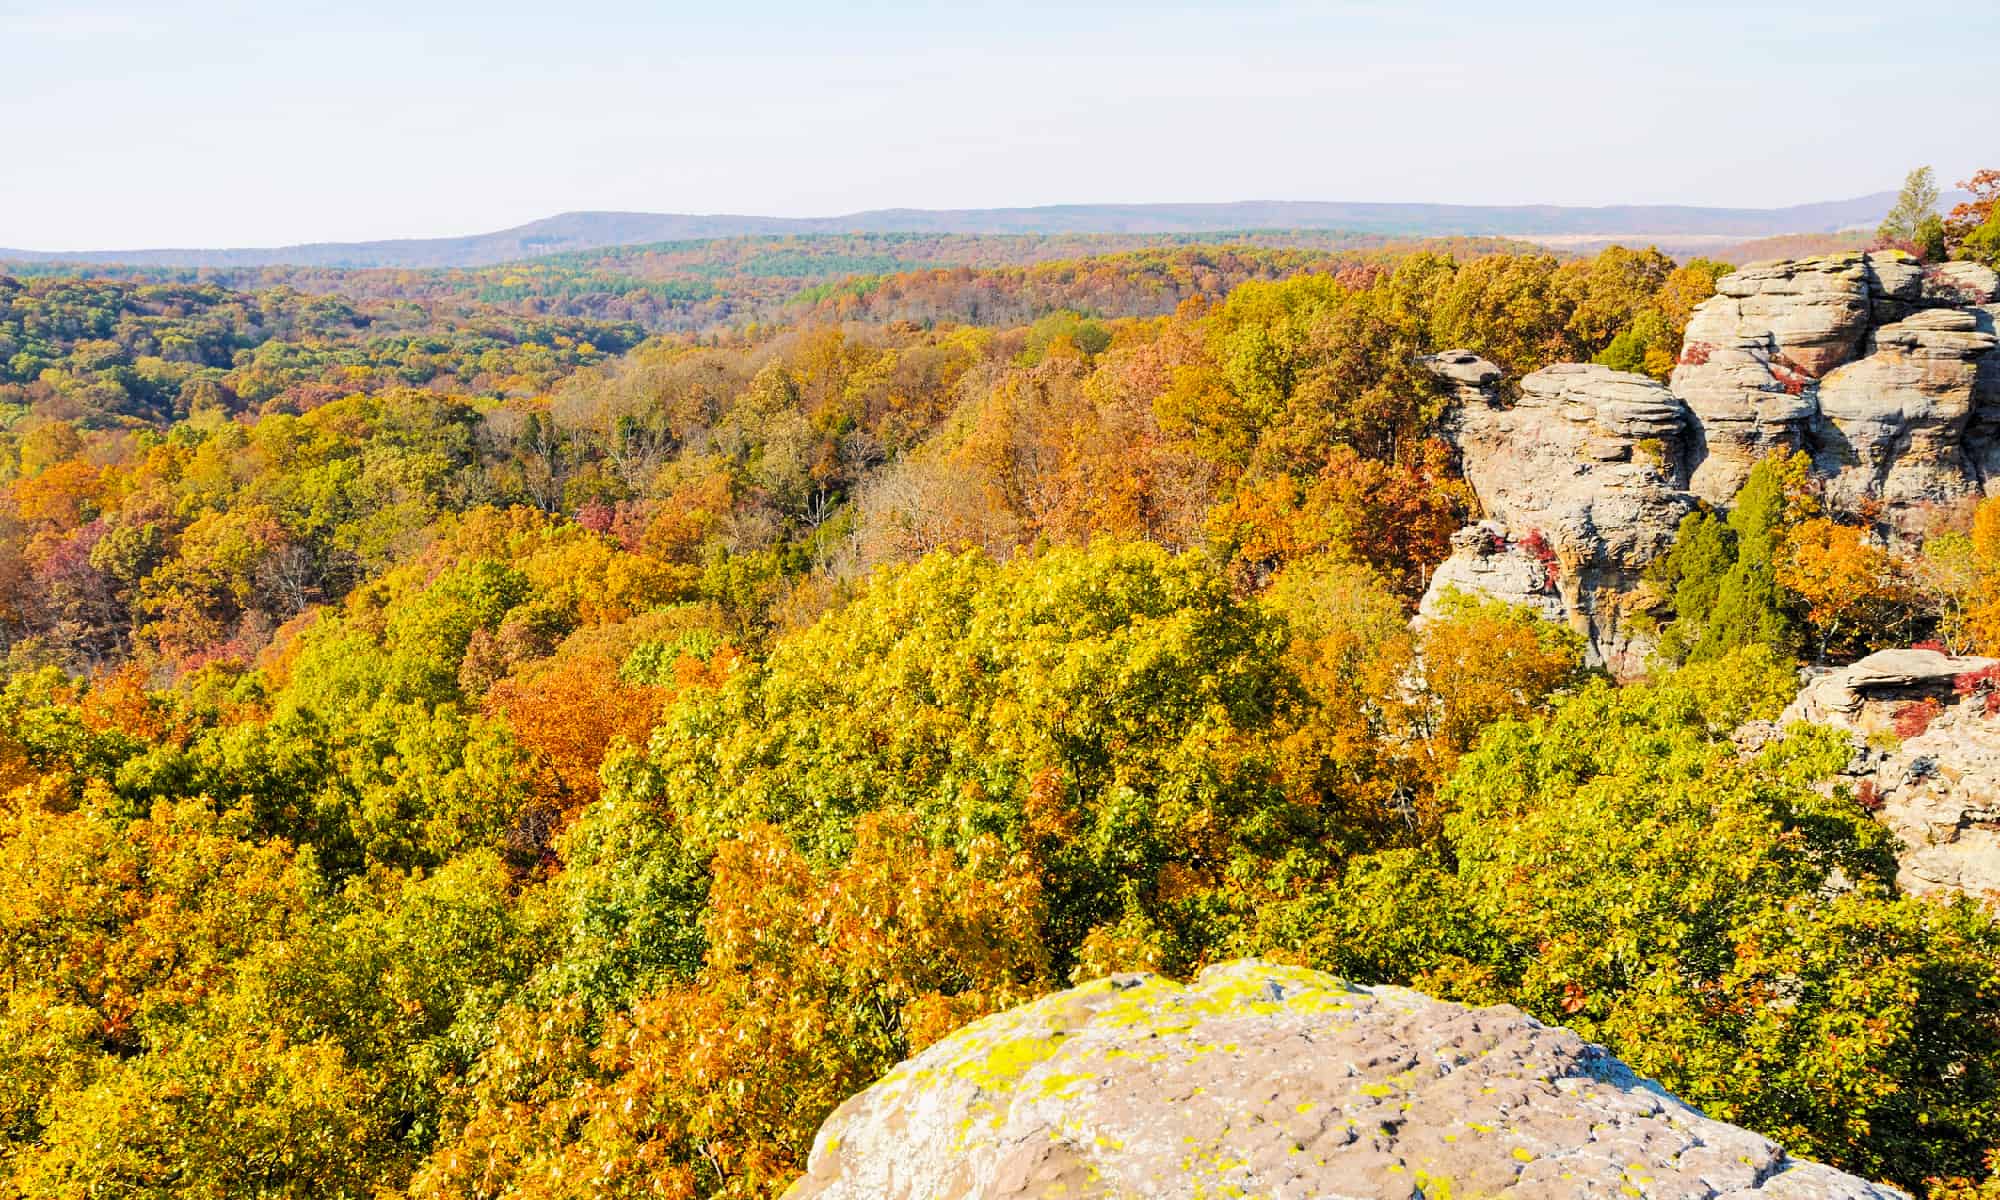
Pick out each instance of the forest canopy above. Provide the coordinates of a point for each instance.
(471, 737)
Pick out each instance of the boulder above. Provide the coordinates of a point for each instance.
(1936, 784)
(1471, 377)
(1485, 561)
(1751, 350)
(1259, 1080)
(1859, 697)
(1884, 369)
(1814, 311)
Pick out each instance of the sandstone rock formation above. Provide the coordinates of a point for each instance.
(1749, 352)
(1870, 362)
(1486, 561)
(1938, 791)
(1885, 371)
(1282, 1083)
(1581, 481)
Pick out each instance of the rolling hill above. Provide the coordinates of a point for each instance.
(578, 231)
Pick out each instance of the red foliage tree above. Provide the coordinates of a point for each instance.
(1912, 718)
(1983, 683)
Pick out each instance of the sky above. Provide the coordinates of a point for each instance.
(222, 123)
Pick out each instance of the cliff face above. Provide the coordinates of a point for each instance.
(1260, 1080)
(1582, 481)
(1884, 371)
(1872, 364)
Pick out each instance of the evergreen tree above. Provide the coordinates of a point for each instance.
(1722, 576)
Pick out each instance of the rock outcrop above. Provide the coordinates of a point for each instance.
(1486, 562)
(1581, 481)
(1870, 362)
(1892, 424)
(1750, 351)
(1936, 782)
(1885, 371)
(1283, 1083)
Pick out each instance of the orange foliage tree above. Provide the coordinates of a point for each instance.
(1397, 518)
(815, 982)
(1853, 589)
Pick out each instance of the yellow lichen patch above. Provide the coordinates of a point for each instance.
(1056, 1082)
(1002, 1066)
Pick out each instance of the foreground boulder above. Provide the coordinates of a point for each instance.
(1926, 761)
(1275, 1082)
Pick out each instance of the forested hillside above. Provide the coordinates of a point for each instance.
(494, 734)
(720, 283)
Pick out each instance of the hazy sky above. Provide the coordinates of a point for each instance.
(210, 123)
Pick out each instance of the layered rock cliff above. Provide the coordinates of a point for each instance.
(1886, 372)
(1871, 363)
(1269, 1081)
(1582, 483)
(1926, 760)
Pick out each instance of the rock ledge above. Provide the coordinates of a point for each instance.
(1926, 760)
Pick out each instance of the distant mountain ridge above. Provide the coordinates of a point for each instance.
(579, 231)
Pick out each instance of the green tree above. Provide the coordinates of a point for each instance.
(1108, 712)
(1910, 218)
(1721, 576)
(1982, 244)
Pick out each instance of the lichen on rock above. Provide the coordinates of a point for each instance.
(1269, 1081)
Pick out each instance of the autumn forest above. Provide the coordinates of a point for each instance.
(559, 729)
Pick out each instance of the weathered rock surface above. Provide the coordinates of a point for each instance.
(1869, 361)
(1750, 350)
(1581, 480)
(1282, 1083)
(1937, 791)
(1885, 371)
(1892, 423)
(1961, 283)
(1486, 562)
(1471, 376)
(1982, 435)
